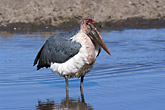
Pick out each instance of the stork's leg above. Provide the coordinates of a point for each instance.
(66, 80)
(81, 83)
(81, 89)
(67, 91)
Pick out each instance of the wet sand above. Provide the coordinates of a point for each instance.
(45, 15)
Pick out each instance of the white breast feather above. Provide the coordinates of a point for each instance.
(74, 64)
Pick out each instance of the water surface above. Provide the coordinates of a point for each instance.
(133, 78)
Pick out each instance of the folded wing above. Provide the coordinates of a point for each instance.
(57, 49)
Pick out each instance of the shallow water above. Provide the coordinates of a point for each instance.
(133, 78)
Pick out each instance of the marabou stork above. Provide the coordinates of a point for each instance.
(72, 54)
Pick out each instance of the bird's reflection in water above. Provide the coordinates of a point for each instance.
(67, 103)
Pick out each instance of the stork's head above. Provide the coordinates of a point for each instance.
(88, 27)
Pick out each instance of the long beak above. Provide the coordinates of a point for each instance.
(98, 39)
(101, 42)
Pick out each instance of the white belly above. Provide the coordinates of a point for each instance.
(82, 62)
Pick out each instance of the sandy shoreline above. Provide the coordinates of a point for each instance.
(45, 15)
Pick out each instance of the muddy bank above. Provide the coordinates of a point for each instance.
(65, 14)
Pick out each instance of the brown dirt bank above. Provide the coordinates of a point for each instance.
(65, 14)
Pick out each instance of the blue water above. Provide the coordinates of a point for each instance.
(133, 78)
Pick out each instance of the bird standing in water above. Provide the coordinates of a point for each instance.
(72, 54)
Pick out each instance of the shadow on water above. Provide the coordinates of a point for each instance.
(66, 103)
(71, 104)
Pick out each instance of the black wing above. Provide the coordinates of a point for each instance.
(58, 48)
